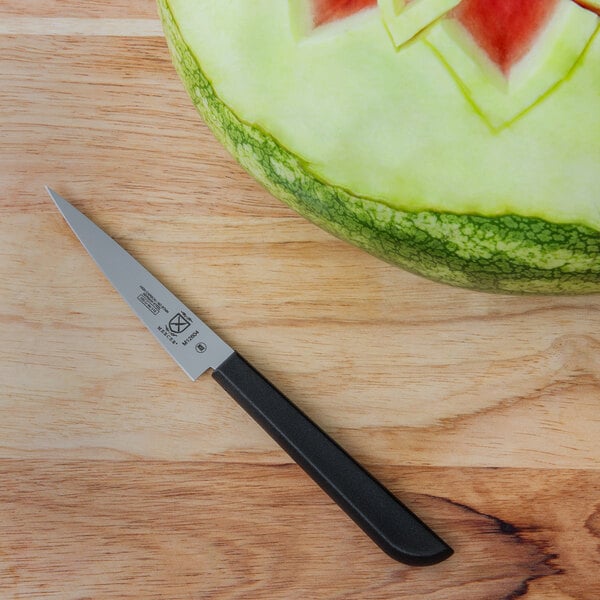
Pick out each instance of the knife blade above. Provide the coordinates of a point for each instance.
(197, 348)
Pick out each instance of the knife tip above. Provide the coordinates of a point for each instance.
(50, 191)
(55, 197)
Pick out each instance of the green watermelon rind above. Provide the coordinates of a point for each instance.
(503, 254)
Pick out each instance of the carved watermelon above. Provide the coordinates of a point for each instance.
(459, 139)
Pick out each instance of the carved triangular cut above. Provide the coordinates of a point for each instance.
(406, 19)
(507, 63)
(327, 11)
(506, 30)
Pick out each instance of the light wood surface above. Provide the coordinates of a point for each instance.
(119, 478)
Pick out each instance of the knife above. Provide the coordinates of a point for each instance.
(197, 348)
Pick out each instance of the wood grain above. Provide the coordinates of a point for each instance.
(121, 479)
(158, 530)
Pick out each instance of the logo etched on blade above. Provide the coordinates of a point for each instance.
(179, 323)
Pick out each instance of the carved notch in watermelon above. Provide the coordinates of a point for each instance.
(328, 11)
(405, 19)
(506, 30)
(505, 54)
(505, 64)
(330, 17)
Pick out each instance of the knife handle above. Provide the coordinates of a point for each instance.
(392, 526)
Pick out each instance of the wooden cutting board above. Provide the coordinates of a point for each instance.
(119, 478)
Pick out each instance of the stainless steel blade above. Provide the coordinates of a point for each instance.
(194, 346)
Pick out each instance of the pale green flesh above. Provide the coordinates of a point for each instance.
(404, 20)
(394, 126)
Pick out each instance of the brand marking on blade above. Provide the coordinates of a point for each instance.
(150, 302)
(179, 323)
(190, 337)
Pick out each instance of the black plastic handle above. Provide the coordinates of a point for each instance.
(392, 526)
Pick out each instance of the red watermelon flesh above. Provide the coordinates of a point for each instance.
(505, 29)
(326, 11)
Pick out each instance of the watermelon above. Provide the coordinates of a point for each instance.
(458, 139)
